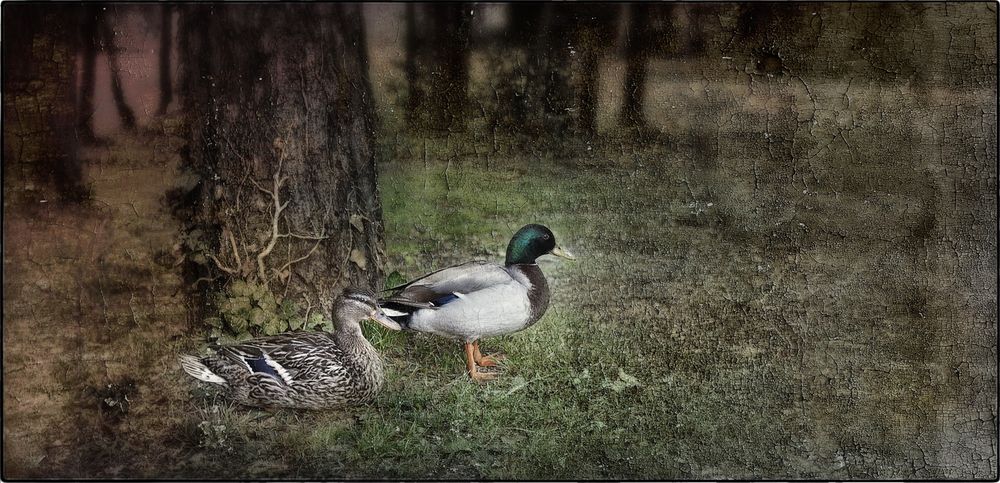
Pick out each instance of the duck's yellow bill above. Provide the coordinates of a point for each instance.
(559, 252)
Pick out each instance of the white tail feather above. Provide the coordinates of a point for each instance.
(193, 366)
(393, 313)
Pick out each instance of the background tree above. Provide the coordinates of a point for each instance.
(637, 48)
(595, 26)
(113, 51)
(547, 68)
(283, 140)
(166, 50)
(437, 70)
(414, 97)
(39, 103)
(98, 35)
(88, 43)
(550, 87)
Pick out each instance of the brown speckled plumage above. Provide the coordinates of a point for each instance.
(304, 370)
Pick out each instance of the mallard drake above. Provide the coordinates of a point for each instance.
(305, 370)
(479, 299)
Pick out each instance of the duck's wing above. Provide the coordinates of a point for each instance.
(440, 287)
(283, 357)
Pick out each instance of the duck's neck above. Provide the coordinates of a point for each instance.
(518, 253)
(366, 367)
(538, 288)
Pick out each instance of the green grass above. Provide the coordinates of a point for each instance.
(689, 339)
(599, 388)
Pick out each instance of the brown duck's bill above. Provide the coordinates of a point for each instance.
(559, 252)
(383, 319)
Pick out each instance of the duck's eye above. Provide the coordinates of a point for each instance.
(545, 237)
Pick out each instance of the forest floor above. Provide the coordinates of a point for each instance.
(792, 276)
(684, 342)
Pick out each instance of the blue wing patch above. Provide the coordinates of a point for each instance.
(260, 365)
(444, 300)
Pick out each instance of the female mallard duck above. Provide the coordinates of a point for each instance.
(480, 299)
(305, 370)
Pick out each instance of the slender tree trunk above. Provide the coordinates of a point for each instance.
(446, 55)
(594, 27)
(88, 47)
(587, 97)
(545, 109)
(39, 103)
(555, 70)
(522, 22)
(414, 99)
(166, 48)
(540, 99)
(517, 90)
(300, 131)
(636, 53)
(125, 112)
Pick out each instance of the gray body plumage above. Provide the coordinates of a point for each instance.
(473, 300)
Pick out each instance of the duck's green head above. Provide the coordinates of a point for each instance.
(531, 242)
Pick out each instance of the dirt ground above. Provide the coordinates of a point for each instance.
(93, 312)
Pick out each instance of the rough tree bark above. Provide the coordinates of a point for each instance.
(39, 103)
(283, 138)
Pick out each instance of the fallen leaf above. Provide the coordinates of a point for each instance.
(356, 222)
(359, 259)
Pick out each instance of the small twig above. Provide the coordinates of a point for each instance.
(203, 279)
(288, 279)
(236, 251)
(219, 264)
(303, 237)
(309, 307)
(255, 183)
(239, 190)
(104, 301)
(275, 218)
(135, 318)
(303, 257)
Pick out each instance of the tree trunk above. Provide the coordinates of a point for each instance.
(166, 47)
(587, 96)
(414, 98)
(39, 103)
(539, 100)
(512, 87)
(284, 140)
(125, 112)
(437, 64)
(454, 25)
(636, 53)
(88, 51)
(594, 30)
(553, 71)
